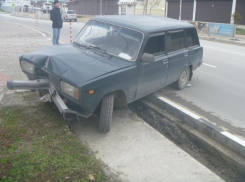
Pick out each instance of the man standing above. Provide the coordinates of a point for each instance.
(55, 16)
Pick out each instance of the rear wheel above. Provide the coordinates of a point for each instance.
(183, 80)
(106, 113)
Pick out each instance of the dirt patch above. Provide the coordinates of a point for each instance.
(174, 133)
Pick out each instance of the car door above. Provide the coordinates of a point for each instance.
(177, 55)
(152, 75)
(194, 48)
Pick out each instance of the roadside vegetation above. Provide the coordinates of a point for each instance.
(37, 145)
(240, 31)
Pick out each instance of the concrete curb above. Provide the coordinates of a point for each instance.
(222, 41)
(221, 136)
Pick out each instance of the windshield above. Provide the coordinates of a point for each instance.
(115, 40)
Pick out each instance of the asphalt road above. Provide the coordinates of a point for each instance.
(218, 86)
(45, 26)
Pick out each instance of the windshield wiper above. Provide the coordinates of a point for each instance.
(81, 43)
(98, 48)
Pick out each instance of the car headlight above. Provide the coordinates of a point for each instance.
(28, 67)
(70, 90)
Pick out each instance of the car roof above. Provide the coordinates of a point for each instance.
(145, 23)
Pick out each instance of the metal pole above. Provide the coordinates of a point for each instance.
(22, 10)
(146, 4)
(180, 5)
(209, 31)
(194, 10)
(70, 32)
(134, 6)
(100, 7)
(234, 32)
(36, 22)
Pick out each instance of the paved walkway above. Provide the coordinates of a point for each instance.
(133, 150)
(15, 41)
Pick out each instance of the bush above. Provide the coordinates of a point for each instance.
(237, 17)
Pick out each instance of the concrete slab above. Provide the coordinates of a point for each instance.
(136, 152)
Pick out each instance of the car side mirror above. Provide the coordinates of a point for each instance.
(147, 58)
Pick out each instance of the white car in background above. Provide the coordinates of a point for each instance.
(69, 15)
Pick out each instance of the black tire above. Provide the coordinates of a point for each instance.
(183, 80)
(75, 20)
(106, 113)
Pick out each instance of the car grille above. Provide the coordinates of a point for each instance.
(55, 81)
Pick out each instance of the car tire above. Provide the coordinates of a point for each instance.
(75, 19)
(183, 80)
(64, 19)
(106, 113)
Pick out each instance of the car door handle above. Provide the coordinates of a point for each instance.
(165, 61)
(186, 54)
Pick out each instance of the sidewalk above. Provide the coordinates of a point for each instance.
(240, 39)
(15, 41)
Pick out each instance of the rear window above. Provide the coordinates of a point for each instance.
(71, 12)
(176, 40)
(191, 37)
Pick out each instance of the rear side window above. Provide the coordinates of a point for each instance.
(191, 37)
(71, 12)
(176, 40)
(155, 45)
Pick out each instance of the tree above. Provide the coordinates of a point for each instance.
(154, 4)
(237, 17)
(144, 3)
(151, 3)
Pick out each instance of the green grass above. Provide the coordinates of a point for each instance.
(79, 16)
(1, 10)
(240, 31)
(36, 145)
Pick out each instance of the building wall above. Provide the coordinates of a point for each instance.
(214, 11)
(92, 7)
(206, 10)
(240, 8)
(187, 10)
(173, 10)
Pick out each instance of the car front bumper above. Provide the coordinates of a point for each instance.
(41, 84)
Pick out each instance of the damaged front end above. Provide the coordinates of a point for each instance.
(40, 80)
(44, 84)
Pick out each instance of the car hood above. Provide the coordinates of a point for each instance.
(74, 64)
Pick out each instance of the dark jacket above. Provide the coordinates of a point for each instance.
(55, 16)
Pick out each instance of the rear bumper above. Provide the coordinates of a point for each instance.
(41, 84)
(70, 18)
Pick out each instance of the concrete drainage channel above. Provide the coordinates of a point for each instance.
(218, 150)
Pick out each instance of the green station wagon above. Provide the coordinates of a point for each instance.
(113, 61)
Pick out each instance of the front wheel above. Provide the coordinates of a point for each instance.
(106, 113)
(183, 80)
